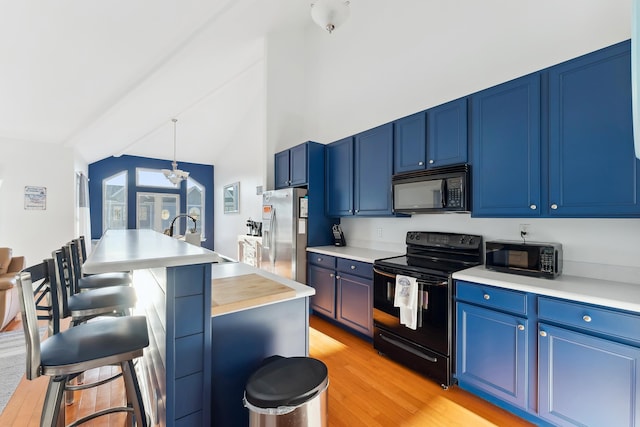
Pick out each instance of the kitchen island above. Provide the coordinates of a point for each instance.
(195, 368)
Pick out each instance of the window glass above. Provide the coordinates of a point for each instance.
(114, 202)
(152, 178)
(155, 211)
(195, 204)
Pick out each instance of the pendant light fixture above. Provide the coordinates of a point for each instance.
(330, 14)
(175, 175)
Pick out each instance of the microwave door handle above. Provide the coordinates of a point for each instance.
(443, 192)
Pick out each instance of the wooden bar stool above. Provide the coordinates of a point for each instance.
(87, 346)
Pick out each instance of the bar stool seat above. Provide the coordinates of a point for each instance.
(92, 345)
(102, 301)
(104, 279)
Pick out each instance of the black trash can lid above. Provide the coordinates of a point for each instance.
(286, 381)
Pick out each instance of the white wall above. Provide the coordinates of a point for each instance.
(394, 58)
(391, 59)
(35, 233)
(244, 161)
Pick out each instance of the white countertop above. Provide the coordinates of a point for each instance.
(624, 296)
(231, 269)
(354, 253)
(126, 250)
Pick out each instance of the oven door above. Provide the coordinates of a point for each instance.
(434, 310)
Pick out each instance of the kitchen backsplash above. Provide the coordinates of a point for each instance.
(600, 248)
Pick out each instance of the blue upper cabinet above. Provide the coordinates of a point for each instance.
(373, 170)
(447, 126)
(410, 143)
(505, 141)
(339, 176)
(359, 173)
(291, 167)
(592, 168)
(282, 169)
(432, 138)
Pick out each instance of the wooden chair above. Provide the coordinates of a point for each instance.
(64, 355)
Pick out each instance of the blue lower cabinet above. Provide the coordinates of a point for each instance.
(355, 302)
(324, 282)
(586, 380)
(492, 353)
(344, 291)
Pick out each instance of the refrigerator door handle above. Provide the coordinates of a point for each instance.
(272, 233)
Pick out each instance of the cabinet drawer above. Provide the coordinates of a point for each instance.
(489, 296)
(323, 260)
(359, 268)
(590, 318)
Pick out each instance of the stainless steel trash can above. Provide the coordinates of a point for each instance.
(288, 391)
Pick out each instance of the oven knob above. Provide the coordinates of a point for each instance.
(471, 241)
(417, 237)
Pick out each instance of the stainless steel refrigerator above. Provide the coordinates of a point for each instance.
(284, 233)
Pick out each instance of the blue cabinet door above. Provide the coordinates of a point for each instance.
(447, 143)
(584, 380)
(324, 282)
(355, 303)
(592, 167)
(506, 149)
(298, 165)
(281, 169)
(491, 353)
(410, 143)
(373, 170)
(339, 175)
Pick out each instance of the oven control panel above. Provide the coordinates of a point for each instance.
(436, 239)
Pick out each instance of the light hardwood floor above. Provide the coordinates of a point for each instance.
(365, 389)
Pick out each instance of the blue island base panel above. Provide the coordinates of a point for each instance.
(240, 343)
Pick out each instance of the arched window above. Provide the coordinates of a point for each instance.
(114, 202)
(195, 203)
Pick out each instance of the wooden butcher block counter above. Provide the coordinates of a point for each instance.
(249, 290)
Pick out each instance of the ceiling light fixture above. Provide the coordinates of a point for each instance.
(175, 175)
(330, 14)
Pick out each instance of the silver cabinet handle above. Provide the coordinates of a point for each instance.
(420, 163)
(486, 296)
(357, 210)
(350, 211)
(330, 274)
(353, 267)
(430, 161)
(521, 327)
(319, 259)
(533, 207)
(543, 334)
(338, 276)
(586, 318)
(554, 206)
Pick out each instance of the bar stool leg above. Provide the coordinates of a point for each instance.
(134, 396)
(53, 412)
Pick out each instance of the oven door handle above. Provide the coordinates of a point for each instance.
(409, 349)
(383, 273)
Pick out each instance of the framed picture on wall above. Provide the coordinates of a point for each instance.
(231, 194)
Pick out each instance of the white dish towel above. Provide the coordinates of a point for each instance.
(406, 297)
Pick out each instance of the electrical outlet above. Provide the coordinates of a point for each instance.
(379, 231)
(524, 230)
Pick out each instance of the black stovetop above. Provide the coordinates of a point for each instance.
(434, 253)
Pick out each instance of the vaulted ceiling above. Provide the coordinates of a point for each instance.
(106, 77)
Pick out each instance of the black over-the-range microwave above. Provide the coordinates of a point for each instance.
(444, 189)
